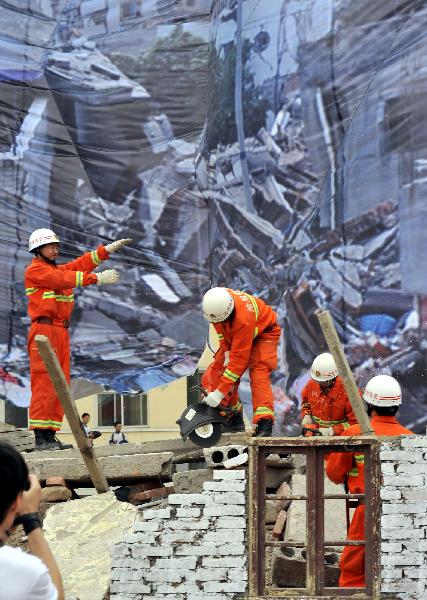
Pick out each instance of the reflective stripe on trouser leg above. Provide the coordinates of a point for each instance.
(352, 562)
(46, 411)
(262, 362)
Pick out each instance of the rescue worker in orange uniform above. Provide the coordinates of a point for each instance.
(325, 405)
(248, 339)
(383, 397)
(49, 288)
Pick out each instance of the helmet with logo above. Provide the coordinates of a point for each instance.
(324, 367)
(383, 390)
(41, 237)
(218, 304)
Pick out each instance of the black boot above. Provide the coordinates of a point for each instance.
(235, 423)
(56, 444)
(42, 440)
(264, 428)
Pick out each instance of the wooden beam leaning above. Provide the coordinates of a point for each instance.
(62, 388)
(336, 349)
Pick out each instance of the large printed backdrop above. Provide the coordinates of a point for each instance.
(275, 147)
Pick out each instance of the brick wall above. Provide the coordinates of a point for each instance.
(194, 548)
(404, 518)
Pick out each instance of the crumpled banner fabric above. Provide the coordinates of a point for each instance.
(279, 148)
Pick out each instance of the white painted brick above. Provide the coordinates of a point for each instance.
(134, 538)
(222, 511)
(391, 547)
(203, 596)
(400, 586)
(148, 526)
(160, 513)
(398, 456)
(120, 550)
(164, 575)
(126, 597)
(139, 551)
(220, 475)
(411, 468)
(125, 575)
(403, 481)
(417, 495)
(211, 550)
(189, 499)
(400, 533)
(416, 572)
(402, 559)
(230, 523)
(229, 586)
(224, 486)
(176, 537)
(392, 573)
(416, 545)
(185, 524)
(237, 562)
(229, 498)
(390, 494)
(420, 520)
(176, 563)
(405, 508)
(387, 468)
(207, 574)
(418, 441)
(183, 588)
(188, 512)
(237, 574)
(134, 587)
(390, 521)
(124, 562)
(224, 535)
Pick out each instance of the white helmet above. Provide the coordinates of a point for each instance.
(218, 304)
(383, 390)
(40, 237)
(324, 367)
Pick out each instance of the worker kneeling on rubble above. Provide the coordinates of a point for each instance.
(325, 407)
(383, 397)
(248, 338)
(49, 288)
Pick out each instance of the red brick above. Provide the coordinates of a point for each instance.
(279, 525)
(56, 481)
(162, 492)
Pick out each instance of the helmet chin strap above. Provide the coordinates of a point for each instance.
(48, 260)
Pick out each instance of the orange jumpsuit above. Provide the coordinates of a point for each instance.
(50, 294)
(251, 336)
(342, 466)
(328, 409)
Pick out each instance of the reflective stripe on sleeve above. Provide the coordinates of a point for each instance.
(95, 258)
(231, 376)
(30, 291)
(79, 278)
(323, 423)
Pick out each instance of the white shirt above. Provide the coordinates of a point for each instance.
(117, 437)
(86, 428)
(24, 576)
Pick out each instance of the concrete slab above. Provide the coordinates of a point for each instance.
(335, 519)
(116, 468)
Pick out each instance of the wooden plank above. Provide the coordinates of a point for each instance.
(63, 392)
(341, 361)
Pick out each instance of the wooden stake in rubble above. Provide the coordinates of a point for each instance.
(62, 388)
(350, 386)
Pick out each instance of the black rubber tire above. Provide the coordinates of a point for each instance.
(207, 442)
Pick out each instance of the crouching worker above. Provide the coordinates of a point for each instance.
(325, 407)
(248, 339)
(23, 576)
(383, 397)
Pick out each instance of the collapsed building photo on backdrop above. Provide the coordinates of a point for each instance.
(121, 119)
